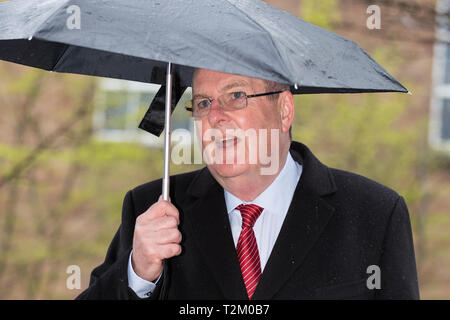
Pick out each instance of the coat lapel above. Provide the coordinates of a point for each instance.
(209, 221)
(307, 217)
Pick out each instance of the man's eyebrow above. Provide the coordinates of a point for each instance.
(199, 95)
(232, 85)
(240, 83)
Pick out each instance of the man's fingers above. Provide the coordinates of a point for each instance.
(156, 237)
(168, 236)
(160, 209)
(165, 222)
(170, 250)
(158, 223)
(170, 209)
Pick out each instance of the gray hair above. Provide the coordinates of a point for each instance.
(275, 86)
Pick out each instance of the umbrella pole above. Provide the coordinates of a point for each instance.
(166, 173)
(168, 129)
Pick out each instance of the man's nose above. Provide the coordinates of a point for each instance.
(216, 112)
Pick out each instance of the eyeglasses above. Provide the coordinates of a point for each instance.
(228, 102)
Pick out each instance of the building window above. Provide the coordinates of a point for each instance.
(445, 129)
(439, 134)
(120, 107)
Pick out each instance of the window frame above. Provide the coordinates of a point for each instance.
(131, 133)
(440, 89)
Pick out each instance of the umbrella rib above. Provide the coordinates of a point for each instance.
(39, 27)
(49, 17)
(60, 57)
(286, 70)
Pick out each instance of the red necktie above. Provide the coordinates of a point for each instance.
(247, 248)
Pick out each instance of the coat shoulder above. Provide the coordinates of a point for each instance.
(178, 180)
(356, 188)
(144, 195)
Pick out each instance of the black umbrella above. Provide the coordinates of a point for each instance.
(164, 41)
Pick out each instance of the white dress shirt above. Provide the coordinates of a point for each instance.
(275, 200)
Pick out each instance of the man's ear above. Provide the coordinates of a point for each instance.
(287, 107)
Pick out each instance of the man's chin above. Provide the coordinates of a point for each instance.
(228, 170)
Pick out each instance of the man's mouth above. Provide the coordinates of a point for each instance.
(227, 142)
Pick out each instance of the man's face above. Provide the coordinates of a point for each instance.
(221, 131)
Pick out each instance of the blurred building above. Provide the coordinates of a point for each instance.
(439, 133)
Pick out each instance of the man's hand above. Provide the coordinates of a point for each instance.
(156, 237)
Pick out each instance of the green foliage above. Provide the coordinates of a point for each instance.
(25, 82)
(324, 13)
(10, 155)
(365, 134)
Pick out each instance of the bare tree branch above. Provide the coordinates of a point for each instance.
(49, 140)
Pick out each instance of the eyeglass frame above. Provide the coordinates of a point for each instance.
(191, 109)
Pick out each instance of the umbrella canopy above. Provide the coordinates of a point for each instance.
(134, 40)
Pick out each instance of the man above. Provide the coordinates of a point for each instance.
(232, 231)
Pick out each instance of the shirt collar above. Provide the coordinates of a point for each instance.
(278, 195)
